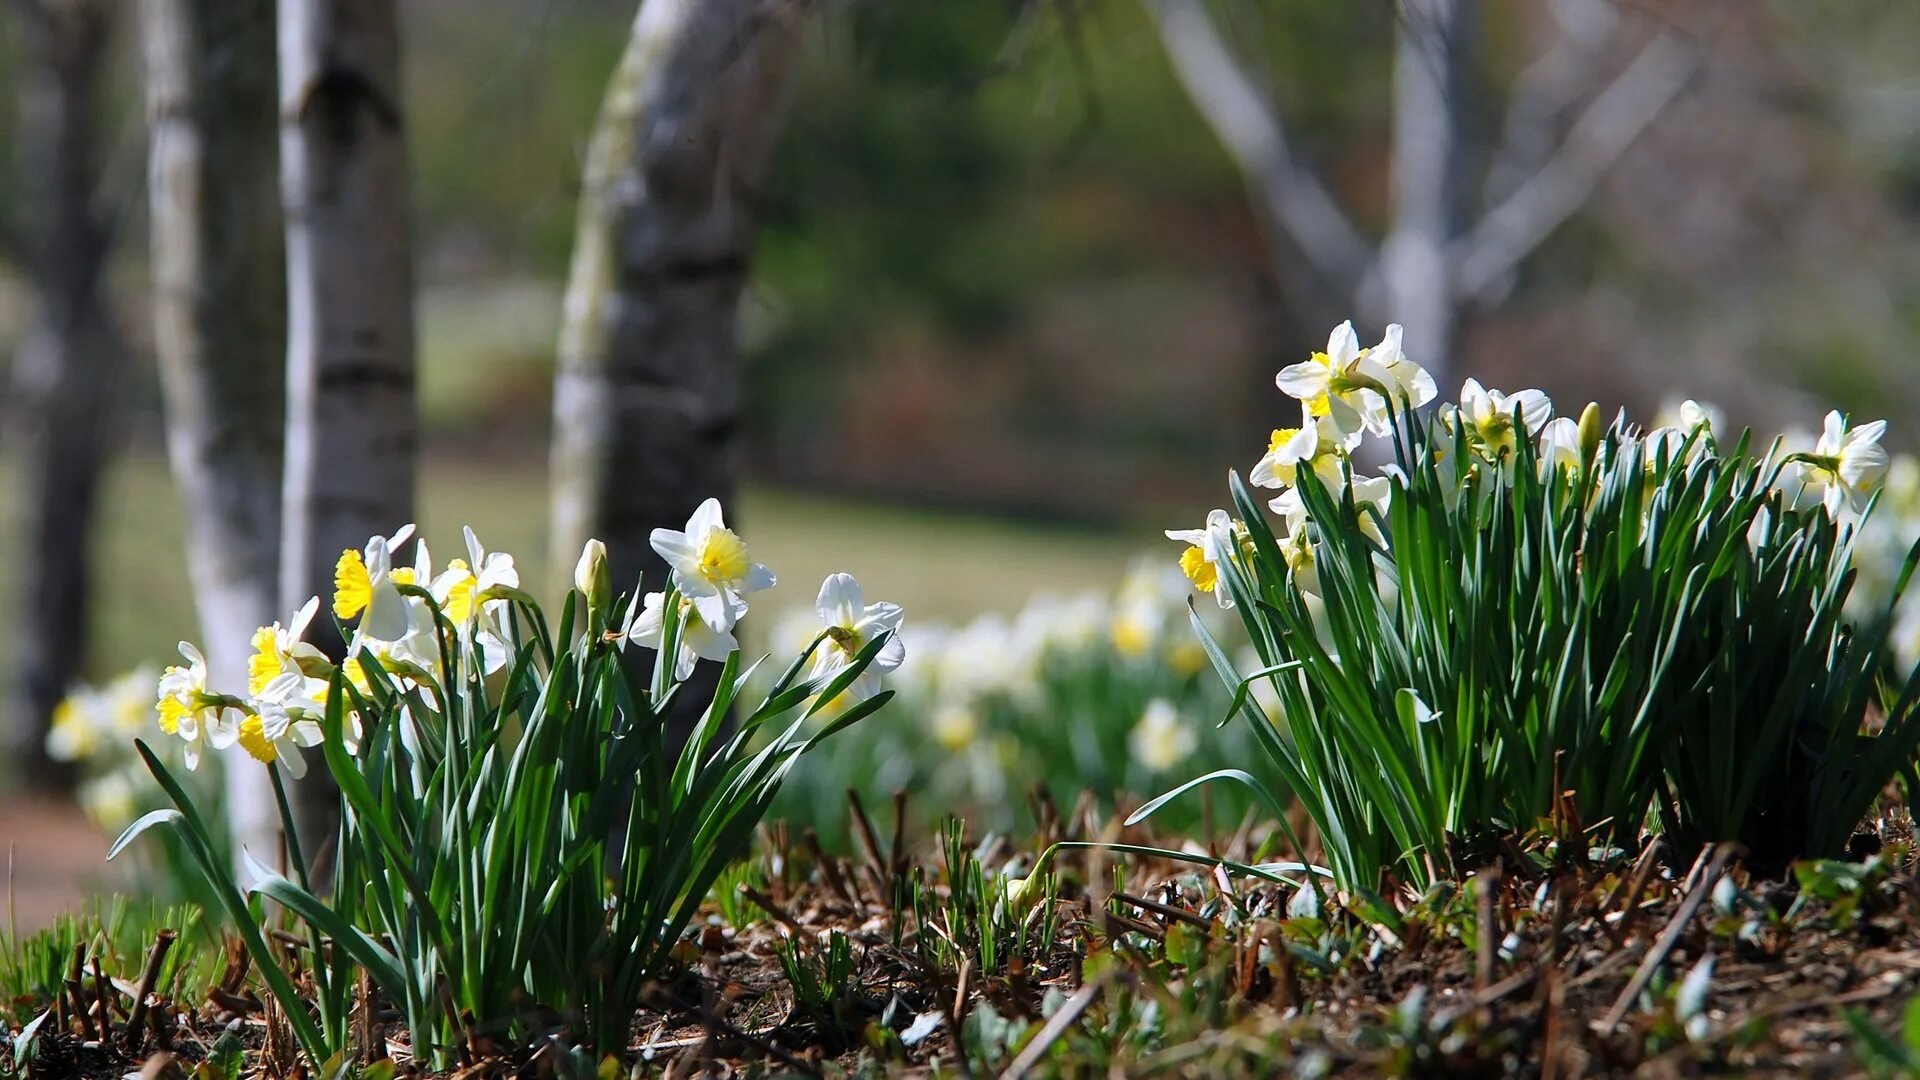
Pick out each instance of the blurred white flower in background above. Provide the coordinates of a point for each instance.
(955, 726)
(1066, 624)
(95, 721)
(983, 657)
(1162, 738)
(1148, 597)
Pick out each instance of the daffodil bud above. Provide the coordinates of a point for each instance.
(591, 577)
(1024, 892)
(1592, 427)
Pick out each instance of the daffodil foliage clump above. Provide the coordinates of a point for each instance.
(1529, 621)
(524, 841)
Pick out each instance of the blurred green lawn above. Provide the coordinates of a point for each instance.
(937, 564)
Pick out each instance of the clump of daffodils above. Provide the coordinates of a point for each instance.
(1856, 469)
(1348, 394)
(484, 755)
(1657, 624)
(419, 632)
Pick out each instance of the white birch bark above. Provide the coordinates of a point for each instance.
(351, 424)
(219, 295)
(1437, 263)
(1433, 54)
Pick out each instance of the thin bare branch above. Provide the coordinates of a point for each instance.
(1618, 116)
(1292, 198)
(1566, 73)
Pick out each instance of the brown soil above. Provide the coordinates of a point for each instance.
(56, 858)
(1560, 971)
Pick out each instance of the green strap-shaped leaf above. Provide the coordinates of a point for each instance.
(382, 965)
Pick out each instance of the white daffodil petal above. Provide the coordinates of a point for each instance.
(1306, 380)
(840, 602)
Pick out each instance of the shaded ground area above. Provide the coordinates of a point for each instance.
(900, 961)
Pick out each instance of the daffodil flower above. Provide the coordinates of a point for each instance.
(1371, 496)
(280, 724)
(1317, 444)
(278, 649)
(1846, 465)
(711, 567)
(699, 640)
(1351, 386)
(1560, 449)
(1328, 383)
(1690, 416)
(1206, 548)
(399, 631)
(458, 588)
(851, 624)
(1662, 444)
(189, 711)
(1161, 739)
(367, 583)
(1493, 420)
(1408, 382)
(1296, 548)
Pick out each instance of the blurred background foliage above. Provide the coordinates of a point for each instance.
(1005, 270)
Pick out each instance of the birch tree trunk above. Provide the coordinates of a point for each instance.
(1433, 58)
(64, 371)
(219, 278)
(647, 395)
(351, 424)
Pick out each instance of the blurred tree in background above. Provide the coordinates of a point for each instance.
(67, 364)
(1004, 262)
